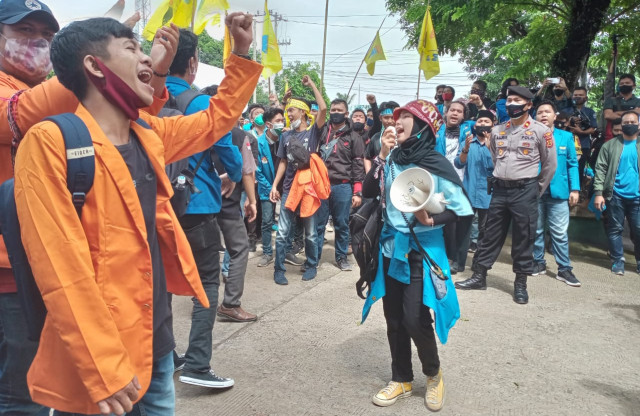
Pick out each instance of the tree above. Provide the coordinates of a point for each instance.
(293, 74)
(527, 39)
(347, 98)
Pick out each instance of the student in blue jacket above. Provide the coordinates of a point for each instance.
(265, 175)
(409, 283)
(553, 210)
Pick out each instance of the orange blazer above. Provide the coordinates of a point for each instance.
(95, 273)
(309, 187)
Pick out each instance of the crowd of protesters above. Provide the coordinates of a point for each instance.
(106, 262)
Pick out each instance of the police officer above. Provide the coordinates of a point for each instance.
(524, 157)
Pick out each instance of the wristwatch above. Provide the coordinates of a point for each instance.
(359, 194)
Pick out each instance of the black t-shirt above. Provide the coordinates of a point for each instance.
(145, 181)
(373, 148)
(309, 139)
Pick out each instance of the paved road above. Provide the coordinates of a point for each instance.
(570, 351)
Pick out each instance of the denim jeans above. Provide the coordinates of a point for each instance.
(267, 223)
(285, 234)
(160, 398)
(339, 206)
(16, 355)
(619, 208)
(555, 214)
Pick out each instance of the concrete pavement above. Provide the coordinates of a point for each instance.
(570, 351)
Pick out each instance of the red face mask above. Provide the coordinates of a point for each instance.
(116, 91)
(447, 96)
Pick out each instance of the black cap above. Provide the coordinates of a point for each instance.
(520, 91)
(486, 114)
(13, 11)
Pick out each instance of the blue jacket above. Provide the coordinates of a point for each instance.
(209, 200)
(566, 178)
(396, 242)
(501, 111)
(477, 168)
(441, 139)
(265, 172)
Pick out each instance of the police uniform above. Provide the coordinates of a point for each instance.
(524, 160)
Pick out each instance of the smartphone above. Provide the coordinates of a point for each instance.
(555, 80)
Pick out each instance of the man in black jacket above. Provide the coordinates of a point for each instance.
(342, 150)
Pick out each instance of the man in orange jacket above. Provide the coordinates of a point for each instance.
(104, 277)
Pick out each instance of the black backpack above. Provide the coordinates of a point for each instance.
(183, 187)
(365, 227)
(80, 173)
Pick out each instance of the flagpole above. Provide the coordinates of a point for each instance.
(193, 15)
(324, 45)
(361, 63)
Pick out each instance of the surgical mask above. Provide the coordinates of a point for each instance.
(558, 93)
(28, 56)
(259, 120)
(626, 89)
(482, 130)
(369, 122)
(116, 91)
(629, 129)
(296, 124)
(448, 96)
(277, 129)
(358, 127)
(337, 118)
(516, 110)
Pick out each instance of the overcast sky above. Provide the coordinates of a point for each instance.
(352, 27)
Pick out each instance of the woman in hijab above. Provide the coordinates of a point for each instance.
(413, 271)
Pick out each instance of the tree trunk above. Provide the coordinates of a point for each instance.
(587, 17)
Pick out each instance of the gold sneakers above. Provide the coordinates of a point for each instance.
(434, 398)
(390, 394)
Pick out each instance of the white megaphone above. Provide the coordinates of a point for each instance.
(412, 190)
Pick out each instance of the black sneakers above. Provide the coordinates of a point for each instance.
(568, 277)
(538, 269)
(291, 258)
(208, 379)
(344, 265)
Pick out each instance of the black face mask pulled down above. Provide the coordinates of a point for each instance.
(358, 127)
(516, 110)
(626, 89)
(630, 129)
(337, 118)
(480, 131)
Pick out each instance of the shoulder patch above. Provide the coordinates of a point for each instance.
(549, 139)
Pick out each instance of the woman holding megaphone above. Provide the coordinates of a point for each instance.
(413, 273)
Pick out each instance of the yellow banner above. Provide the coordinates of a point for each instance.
(271, 59)
(375, 53)
(179, 12)
(228, 45)
(209, 13)
(428, 48)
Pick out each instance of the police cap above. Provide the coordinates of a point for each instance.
(520, 91)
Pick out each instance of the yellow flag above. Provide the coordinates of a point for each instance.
(271, 59)
(228, 45)
(375, 53)
(428, 48)
(208, 13)
(179, 12)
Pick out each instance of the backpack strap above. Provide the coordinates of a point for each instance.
(184, 99)
(143, 123)
(81, 164)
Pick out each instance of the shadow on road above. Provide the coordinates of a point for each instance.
(629, 399)
(626, 308)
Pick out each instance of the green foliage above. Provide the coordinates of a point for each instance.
(512, 38)
(210, 51)
(293, 74)
(348, 99)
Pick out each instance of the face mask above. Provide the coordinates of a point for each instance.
(296, 124)
(626, 89)
(447, 96)
(369, 122)
(259, 120)
(559, 124)
(358, 126)
(246, 127)
(477, 92)
(277, 129)
(28, 56)
(438, 97)
(336, 118)
(629, 129)
(516, 110)
(558, 93)
(116, 91)
(482, 130)
(578, 101)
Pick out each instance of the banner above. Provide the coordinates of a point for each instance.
(375, 53)
(428, 48)
(271, 59)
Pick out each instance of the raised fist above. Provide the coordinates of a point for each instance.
(240, 28)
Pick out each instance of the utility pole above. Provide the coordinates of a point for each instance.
(144, 8)
(324, 44)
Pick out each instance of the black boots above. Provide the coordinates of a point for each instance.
(477, 281)
(520, 294)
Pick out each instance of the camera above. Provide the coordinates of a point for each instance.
(555, 80)
(579, 119)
